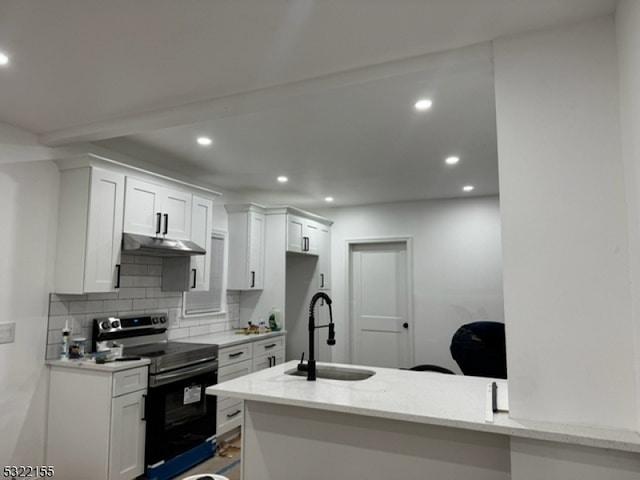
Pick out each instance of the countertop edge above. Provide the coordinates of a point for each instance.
(587, 436)
(109, 367)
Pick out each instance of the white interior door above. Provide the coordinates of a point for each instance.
(380, 305)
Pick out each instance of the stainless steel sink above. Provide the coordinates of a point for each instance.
(335, 373)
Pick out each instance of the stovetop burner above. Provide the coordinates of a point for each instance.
(172, 355)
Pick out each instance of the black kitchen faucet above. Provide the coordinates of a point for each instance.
(310, 368)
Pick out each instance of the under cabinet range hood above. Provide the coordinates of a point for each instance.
(159, 247)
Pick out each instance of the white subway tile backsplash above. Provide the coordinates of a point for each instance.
(94, 306)
(147, 281)
(170, 302)
(145, 304)
(147, 260)
(118, 305)
(140, 294)
(133, 269)
(131, 292)
(199, 330)
(58, 308)
(102, 296)
(154, 270)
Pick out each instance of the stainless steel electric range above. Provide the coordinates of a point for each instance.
(180, 417)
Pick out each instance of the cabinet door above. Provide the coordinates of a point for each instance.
(142, 209)
(176, 214)
(201, 215)
(324, 258)
(267, 361)
(256, 250)
(311, 237)
(126, 444)
(104, 231)
(295, 233)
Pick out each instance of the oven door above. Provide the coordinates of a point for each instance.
(179, 414)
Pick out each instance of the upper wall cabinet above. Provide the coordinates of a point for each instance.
(304, 235)
(156, 210)
(324, 257)
(246, 247)
(89, 231)
(192, 274)
(100, 198)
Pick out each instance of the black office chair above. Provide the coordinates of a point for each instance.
(480, 350)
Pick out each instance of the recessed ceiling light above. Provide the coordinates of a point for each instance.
(423, 104)
(452, 160)
(4, 59)
(328, 199)
(204, 141)
(467, 188)
(283, 179)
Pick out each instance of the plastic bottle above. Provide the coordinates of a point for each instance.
(262, 328)
(64, 351)
(274, 319)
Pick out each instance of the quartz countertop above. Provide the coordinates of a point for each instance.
(420, 397)
(229, 338)
(90, 364)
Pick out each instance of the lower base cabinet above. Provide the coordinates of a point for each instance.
(96, 425)
(239, 360)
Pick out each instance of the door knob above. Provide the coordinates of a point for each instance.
(405, 325)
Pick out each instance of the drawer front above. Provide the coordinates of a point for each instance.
(230, 416)
(234, 354)
(234, 370)
(268, 346)
(132, 380)
(269, 360)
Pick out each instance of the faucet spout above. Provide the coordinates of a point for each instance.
(311, 362)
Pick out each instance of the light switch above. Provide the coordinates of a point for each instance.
(7, 332)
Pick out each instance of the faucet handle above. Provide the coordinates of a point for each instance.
(301, 366)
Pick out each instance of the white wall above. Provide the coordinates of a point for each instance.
(457, 274)
(564, 218)
(28, 215)
(628, 36)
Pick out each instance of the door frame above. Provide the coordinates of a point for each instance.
(349, 244)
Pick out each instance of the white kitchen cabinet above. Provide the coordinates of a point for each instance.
(242, 359)
(246, 247)
(201, 226)
(323, 272)
(268, 353)
(95, 423)
(156, 210)
(89, 231)
(192, 274)
(302, 235)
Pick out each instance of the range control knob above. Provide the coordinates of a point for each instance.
(115, 324)
(163, 319)
(105, 325)
(155, 320)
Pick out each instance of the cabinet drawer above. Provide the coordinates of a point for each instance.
(237, 353)
(230, 416)
(268, 345)
(127, 381)
(235, 370)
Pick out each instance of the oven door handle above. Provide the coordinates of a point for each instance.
(164, 378)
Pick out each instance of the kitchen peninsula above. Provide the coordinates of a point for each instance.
(395, 424)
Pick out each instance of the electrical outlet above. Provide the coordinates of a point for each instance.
(7, 332)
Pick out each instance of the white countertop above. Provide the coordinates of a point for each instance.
(421, 397)
(229, 338)
(89, 364)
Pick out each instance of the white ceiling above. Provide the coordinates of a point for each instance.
(320, 91)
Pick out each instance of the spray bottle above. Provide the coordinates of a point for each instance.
(64, 352)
